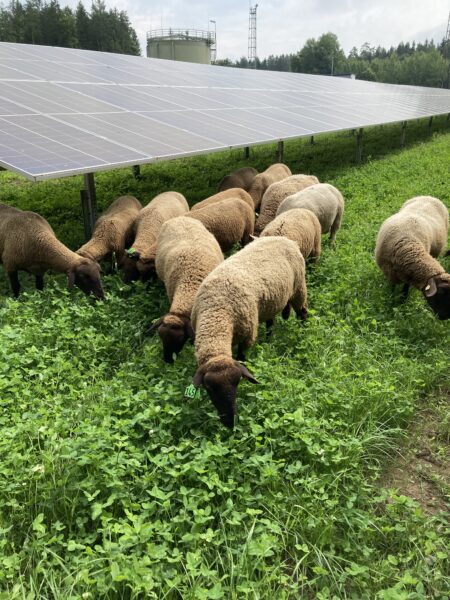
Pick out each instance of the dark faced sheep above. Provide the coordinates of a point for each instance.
(408, 244)
(113, 231)
(28, 243)
(241, 178)
(186, 253)
(261, 182)
(253, 285)
(140, 259)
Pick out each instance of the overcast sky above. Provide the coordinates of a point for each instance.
(285, 25)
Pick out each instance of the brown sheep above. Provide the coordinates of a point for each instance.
(262, 181)
(113, 231)
(28, 243)
(230, 221)
(241, 178)
(140, 262)
(301, 226)
(225, 195)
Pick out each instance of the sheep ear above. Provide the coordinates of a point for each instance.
(197, 380)
(70, 279)
(189, 330)
(246, 373)
(153, 327)
(430, 289)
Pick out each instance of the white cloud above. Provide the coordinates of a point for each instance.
(284, 26)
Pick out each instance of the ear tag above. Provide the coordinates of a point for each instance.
(131, 251)
(427, 287)
(192, 392)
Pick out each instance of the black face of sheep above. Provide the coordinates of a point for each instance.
(437, 294)
(146, 268)
(221, 382)
(174, 331)
(130, 270)
(86, 276)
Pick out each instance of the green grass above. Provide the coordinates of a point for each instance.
(112, 485)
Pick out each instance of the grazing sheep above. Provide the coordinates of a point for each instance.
(140, 262)
(185, 254)
(301, 226)
(225, 195)
(230, 221)
(262, 181)
(408, 244)
(241, 178)
(113, 231)
(251, 286)
(324, 200)
(28, 243)
(276, 193)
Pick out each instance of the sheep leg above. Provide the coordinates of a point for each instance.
(39, 282)
(317, 249)
(286, 311)
(269, 325)
(15, 284)
(335, 228)
(241, 352)
(299, 300)
(405, 292)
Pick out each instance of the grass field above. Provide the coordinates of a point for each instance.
(113, 485)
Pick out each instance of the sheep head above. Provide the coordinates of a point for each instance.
(129, 265)
(437, 294)
(174, 331)
(256, 191)
(86, 276)
(221, 376)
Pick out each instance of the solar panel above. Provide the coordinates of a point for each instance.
(67, 111)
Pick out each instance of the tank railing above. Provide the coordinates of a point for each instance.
(182, 34)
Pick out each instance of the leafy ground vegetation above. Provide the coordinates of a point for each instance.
(113, 485)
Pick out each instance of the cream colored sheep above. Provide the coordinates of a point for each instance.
(225, 195)
(301, 226)
(324, 200)
(185, 254)
(140, 262)
(230, 221)
(241, 178)
(251, 286)
(113, 231)
(28, 243)
(408, 244)
(276, 193)
(262, 181)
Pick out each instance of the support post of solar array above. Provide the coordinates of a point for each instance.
(136, 169)
(403, 135)
(430, 126)
(280, 151)
(359, 137)
(89, 204)
(247, 152)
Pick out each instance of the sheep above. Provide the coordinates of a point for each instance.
(230, 221)
(241, 178)
(225, 195)
(140, 260)
(113, 231)
(253, 285)
(262, 181)
(28, 243)
(301, 226)
(276, 193)
(407, 246)
(324, 200)
(185, 254)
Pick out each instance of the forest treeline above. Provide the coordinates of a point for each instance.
(37, 22)
(426, 63)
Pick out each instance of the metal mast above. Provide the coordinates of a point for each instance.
(252, 37)
(447, 35)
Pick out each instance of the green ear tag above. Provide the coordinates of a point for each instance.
(192, 392)
(131, 251)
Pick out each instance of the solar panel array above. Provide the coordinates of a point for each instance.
(67, 111)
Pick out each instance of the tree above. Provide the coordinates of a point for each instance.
(323, 56)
